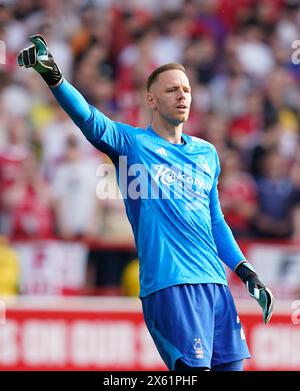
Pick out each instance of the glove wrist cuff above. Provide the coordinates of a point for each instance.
(53, 77)
(245, 271)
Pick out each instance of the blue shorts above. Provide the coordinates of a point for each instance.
(197, 323)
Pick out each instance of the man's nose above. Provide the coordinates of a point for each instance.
(180, 93)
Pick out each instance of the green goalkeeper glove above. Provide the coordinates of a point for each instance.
(40, 59)
(256, 289)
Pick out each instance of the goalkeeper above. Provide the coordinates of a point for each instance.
(181, 235)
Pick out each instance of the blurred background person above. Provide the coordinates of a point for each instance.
(9, 269)
(130, 279)
(238, 195)
(107, 263)
(28, 204)
(73, 189)
(275, 197)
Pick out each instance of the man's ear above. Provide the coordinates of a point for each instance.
(151, 101)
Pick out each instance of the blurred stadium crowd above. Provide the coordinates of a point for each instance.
(246, 101)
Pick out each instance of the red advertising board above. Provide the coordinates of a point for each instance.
(275, 346)
(110, 334)
(53, 267)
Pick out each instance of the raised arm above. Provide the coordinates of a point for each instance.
(106, 135)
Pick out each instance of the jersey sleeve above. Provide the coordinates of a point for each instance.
(110, 137)
(228, 249)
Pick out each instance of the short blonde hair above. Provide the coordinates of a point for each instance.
(163, 68)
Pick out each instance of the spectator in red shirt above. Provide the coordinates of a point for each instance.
(28, 204)
(14, 152)
(237, 194)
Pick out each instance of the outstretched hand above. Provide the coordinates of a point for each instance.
(41, 60)
(257, 289)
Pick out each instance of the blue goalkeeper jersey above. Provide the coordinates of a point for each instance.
(170, 194)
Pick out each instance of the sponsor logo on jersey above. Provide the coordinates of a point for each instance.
(203, 164)
(170, 175)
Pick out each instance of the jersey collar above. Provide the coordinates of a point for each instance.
(184, 137)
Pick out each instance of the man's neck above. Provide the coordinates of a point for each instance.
(171, 133)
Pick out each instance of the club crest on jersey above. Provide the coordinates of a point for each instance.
(198, 348)
(243, 337)
(203, 164)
